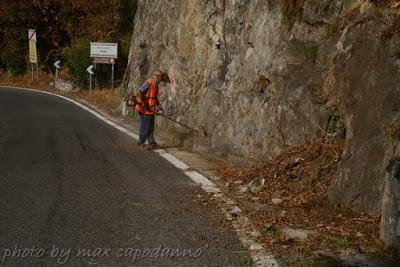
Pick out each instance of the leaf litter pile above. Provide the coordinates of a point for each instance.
(291, 192)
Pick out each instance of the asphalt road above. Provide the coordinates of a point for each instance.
(69, 183)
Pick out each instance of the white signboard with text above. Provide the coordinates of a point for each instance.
(103, 50)
(32, 46)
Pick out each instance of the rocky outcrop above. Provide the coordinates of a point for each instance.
(262, 75)
(369, 98)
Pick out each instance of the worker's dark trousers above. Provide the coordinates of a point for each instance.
(146, 129)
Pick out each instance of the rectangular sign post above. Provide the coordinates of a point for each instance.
(32, 56)
(57, 66)
(90, 71)
(112, 76)
(102, 60)
(32, 53)
(104, 50)
(90, 84)
(104, 53)
(32, 35)
(33, 59)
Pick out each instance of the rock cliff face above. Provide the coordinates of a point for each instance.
(262, 75)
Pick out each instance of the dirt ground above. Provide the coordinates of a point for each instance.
(295, 198)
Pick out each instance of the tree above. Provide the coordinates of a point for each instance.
(63, 24)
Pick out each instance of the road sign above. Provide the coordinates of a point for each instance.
(90, 69)
(104, 53)
(103, 50)
(32, 35)
(57, 64)
(33, 58)
(103, 60)
(32, 52)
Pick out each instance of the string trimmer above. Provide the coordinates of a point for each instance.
(180, 123)
(131, 102)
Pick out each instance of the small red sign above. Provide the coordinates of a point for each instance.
(102, 60)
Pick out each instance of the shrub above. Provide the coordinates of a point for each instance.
(16, 65)
(309, 50)
(77, 59)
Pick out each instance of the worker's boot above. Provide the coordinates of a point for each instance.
(142, 146)
(153, 146)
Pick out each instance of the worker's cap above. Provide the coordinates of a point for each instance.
(164, 76)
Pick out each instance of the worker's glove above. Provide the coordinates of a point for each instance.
(129, 101)
(145, 107)
(159, 109)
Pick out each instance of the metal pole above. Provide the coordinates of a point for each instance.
(95, 77)
(112, 76)
(123, 108)
(56, 73)
(90, 84)
(32, 70)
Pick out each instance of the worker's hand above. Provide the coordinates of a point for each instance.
(160, 109)
(145, 107)
(129, 101)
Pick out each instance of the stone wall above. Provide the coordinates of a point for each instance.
(262, 75)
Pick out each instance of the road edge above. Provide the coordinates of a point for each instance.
(242, 225)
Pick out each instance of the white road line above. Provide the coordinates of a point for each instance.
(205, 183)
(232, 212)
(174, 161)
(134, 136)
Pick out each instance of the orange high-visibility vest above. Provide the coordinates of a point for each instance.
(149, 98)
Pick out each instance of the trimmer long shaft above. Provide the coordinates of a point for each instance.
(180, 123)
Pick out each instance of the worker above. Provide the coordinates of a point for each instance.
(147, 106)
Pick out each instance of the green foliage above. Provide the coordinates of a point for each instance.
(103, 74)
(16, 65)
(248, 261)
(309, 50)
(125, 45)
(343, 242)
(77, 59)
(61, 26)
(14, 20)
(335, 26)
(128, 10)
(396, 136)
(43, 15)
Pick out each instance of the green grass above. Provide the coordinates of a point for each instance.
(248, 261)
(343, 242)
